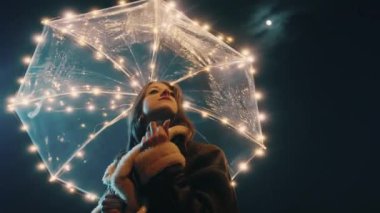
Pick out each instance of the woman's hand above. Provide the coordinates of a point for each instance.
(156, 134)
(112, 204)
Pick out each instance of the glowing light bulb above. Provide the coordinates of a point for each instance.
(25, 101)
(268, 22)
(230, 39)
(259, 152)
(96, 91)
(155, 47)
(10, 108)
(245, 52)
(91, 107)
(206, 27)
(41, 166)
(186, 104)
(69, 14)
(262, 117)
(243, 166)
(69, 185)
(94, 11)
(67, 167)
(45, 21)
(24, 128)
(242, 128)
(250, 59)
(233, 183)
(69, 109)
(134, 83)
(82, 41)
(91, 197)
(224, 120)
(83, 125)
(74, 92)
(171, 5)
(52, 179)
(21, 80)
(38, 38)
(99, 56)
(122, 2)
(32, 148)
(118, 96)
(252, 70)
(80, 154)
(258, 95)
(261, 138)
(204, 114)
(26, 60)
(11, 100)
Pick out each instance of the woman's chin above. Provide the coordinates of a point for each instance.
(161, 113)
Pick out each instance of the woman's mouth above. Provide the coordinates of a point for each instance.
(164, 98)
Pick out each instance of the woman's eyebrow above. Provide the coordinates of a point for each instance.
(153, 87)
(156, 87)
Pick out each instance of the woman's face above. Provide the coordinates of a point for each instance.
(159, 102)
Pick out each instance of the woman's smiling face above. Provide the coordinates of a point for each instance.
(159, 102)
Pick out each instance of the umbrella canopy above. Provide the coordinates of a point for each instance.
(87, 70)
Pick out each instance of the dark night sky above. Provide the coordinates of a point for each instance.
(318, 66)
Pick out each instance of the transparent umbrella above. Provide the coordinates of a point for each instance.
(87, 69)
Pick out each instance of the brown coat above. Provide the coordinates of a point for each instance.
(203, 185)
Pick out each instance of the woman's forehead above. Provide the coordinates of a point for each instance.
(158, 86)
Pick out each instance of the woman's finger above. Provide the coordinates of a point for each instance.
(153, 127)
(147, 136)
(166, 126)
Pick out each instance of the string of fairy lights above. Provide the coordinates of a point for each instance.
(117, 94)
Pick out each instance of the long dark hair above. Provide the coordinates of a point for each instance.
(138, 122)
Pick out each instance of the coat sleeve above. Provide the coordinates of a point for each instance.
(204, 186)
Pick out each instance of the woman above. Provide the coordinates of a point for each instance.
(165, 171)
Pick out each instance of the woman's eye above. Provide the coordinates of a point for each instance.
(153, 92)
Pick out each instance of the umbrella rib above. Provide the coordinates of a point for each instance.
(233, 126)
(70, 93)
(90, 139)
(239, 171)
(204, 69)
(107, 12)
(156, 42)
(77, 187)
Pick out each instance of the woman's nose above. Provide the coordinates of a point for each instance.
(165, 93)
